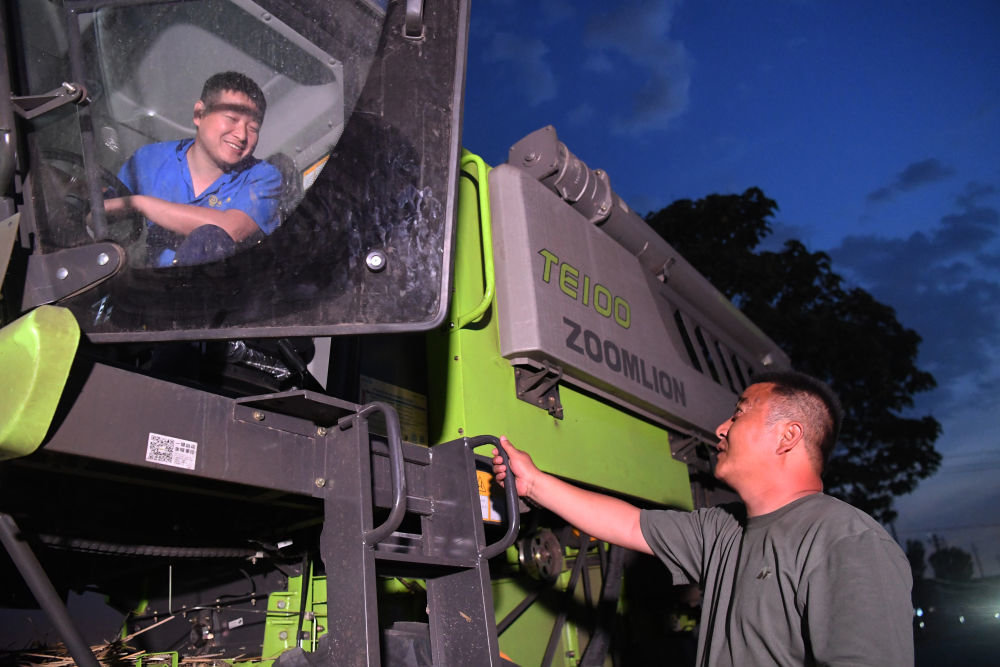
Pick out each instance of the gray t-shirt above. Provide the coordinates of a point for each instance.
(817, 582)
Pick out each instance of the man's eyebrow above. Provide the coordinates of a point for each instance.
(245, 109)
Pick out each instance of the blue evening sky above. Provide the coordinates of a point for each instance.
(874, 125)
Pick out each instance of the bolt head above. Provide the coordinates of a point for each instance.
(375, 261)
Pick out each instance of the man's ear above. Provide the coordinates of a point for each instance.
(792, 434)
(199, 111)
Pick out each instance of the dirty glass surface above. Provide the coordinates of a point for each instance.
(359, 132)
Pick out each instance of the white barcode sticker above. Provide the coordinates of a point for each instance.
(171, 451)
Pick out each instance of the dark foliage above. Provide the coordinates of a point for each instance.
(950, 563)
(916, 554)
(838, 333)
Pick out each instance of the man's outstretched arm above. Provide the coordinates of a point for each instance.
(601, 516)
(183, 218)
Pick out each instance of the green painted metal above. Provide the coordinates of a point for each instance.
(396, 597)
(36, 353)
(158, 658)
(525, 641)
(474, 390)
(282, 619)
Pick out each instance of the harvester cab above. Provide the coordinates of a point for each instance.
(361, 122)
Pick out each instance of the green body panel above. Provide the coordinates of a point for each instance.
(283, 617)
(473, 391)
(525, 641)
(159, 658)
(36, 353)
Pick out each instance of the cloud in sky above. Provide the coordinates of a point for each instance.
(944, 283)
(912, 177)
(639, 34)
(528, 56)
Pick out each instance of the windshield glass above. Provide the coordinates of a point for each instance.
(241, 156)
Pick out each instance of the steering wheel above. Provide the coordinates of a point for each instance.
(67, 203)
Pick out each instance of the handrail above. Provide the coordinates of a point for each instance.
(379, 533)
(486, 234)
(510, 494)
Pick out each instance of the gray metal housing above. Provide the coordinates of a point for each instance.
(570, 295)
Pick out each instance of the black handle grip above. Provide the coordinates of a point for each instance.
(510, 494)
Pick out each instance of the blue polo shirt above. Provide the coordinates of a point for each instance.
(161, 170)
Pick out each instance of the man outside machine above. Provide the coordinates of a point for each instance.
(792, 576)
(202, 197)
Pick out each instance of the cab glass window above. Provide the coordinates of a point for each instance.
(260, 168)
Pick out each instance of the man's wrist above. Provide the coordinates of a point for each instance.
(534, 487)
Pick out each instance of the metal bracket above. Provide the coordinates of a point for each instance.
(56, 275)
(8, 235)
(540, 387)
(296, 411)
(685, 450)
(32, 106)
(413, 27)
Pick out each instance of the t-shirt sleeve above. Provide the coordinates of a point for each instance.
(260, 196)
(677, 539)
(859, 607)
(128, 176)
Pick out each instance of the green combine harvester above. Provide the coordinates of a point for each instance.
(278, 454)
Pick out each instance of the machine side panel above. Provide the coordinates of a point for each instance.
(568, 294)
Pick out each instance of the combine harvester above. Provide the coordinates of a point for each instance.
(280, 455)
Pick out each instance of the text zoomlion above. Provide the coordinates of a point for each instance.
(620, 360)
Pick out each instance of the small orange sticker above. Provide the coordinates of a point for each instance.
(484, 479)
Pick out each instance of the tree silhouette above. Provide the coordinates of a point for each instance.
(837, 333)
(916, 554)
(950, 563)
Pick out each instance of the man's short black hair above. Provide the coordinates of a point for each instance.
(802, 396)
(236, 82)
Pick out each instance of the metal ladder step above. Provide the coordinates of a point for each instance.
(443, 542)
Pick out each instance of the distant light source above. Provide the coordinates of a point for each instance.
(961, 619)
(918, 612)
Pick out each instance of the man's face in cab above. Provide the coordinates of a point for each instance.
(228, 129)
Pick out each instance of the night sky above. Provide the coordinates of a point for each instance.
(874, 126)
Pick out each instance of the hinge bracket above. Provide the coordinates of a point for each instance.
(540, 387)
(32, 106)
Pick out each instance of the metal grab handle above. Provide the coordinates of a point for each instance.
(379, 533)
(510, 494)
(486, 236)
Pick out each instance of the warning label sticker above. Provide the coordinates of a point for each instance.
(488, 504)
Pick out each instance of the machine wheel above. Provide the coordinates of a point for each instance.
(541, 556)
